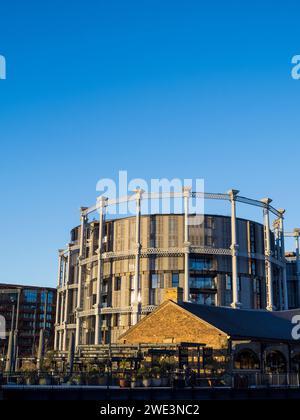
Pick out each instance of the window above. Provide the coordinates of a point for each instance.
(253, 268)
(156, 281)
(87, 252)
(152, 263)
(105, 287)
(43, 297)
(246, 359)
(94, 298)
(252, 238)
(117, 283)
(131, 296)
(203, 298)
(104, 302)
(239, 284)
(175, 279)
(30, 296)
(202, 283)
(152, 297)
(117, 320)
(228, 282)
(275, 362)
(200, 264)
(74, 235)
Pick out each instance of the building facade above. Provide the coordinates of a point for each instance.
(261, 343)
(293, 270)
(26, 310)
(293, 279)
(114, 272)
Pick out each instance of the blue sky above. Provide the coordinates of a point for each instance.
(159, 88)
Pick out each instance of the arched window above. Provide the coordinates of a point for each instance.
(246, 359)
(296, 363)
(275, 362)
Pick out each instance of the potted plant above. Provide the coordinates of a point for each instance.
(102, 378)
(76, 379)
(20, 380)
(93, 376)
(136, 380)
(165, 370)
(123, 381)
(144, 373)
(155, 373)
(30, 377)
(178, 379)
(44, 379)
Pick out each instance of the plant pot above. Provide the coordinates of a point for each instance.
(136, 383)
(30, 381)
(146, 382)
(93, 380)
(102, 380)
(44, 381)
(156, 382)
(124, 383)
(165, 382)
(76, 381)
(20, 381)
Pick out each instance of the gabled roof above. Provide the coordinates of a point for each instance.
(246, 324)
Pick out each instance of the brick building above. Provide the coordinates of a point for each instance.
(254, 341)
(27, 309)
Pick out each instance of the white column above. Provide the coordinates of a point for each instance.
(62, 294)
(68, 265)
(136, 285)
(80, 274)
(297, 233)
(60, 340)
(57, 301)
(234, 251)
(278, 242)
(186, 197)
(62, 305)
(284, 279)
(101, 206)
(268, 264)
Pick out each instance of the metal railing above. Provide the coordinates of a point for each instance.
(130, 379)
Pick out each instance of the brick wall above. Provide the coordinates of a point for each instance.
(172, 324)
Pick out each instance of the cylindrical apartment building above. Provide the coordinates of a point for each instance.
(114, 272)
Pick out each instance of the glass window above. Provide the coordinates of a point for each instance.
(131, 295)
(228, 282)
(203, 298)
(202, 283)
(175, 279)
(117, 320)
(131, 282)
(152, 297)
(200, 264)
(117, 283)
(155, 281)
(30, 296)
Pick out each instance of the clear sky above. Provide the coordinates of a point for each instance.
(159, 88)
